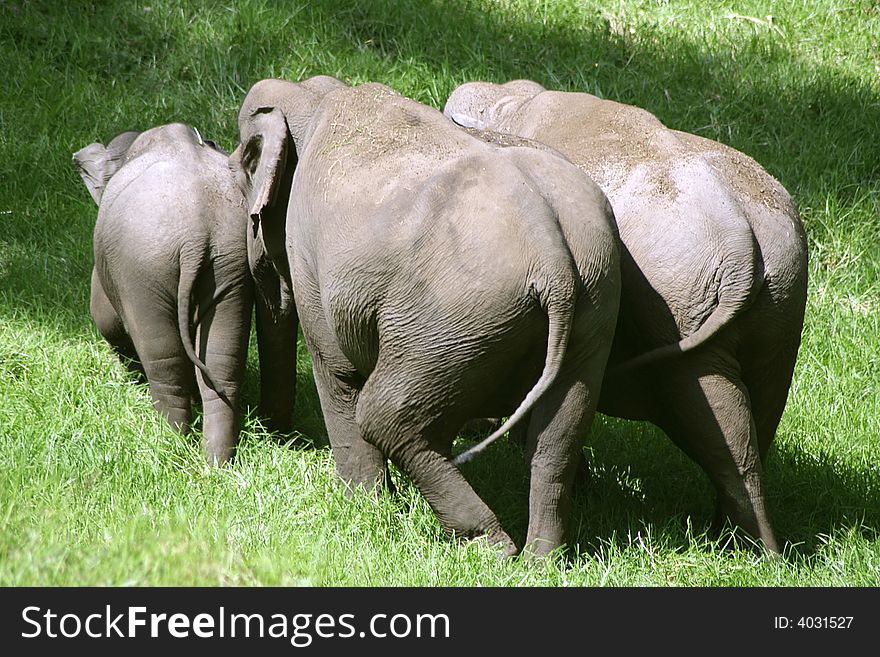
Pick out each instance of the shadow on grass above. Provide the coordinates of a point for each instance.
(640, 485)
(812, 497)
(308, 423)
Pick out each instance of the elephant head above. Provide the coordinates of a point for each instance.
(272, 123)
(97, 163)
(483, 105)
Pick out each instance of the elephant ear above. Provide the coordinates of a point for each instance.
(97, 163)
(467, 121)
(263, 167)
(264, 158)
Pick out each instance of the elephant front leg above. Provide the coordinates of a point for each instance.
(276, 342)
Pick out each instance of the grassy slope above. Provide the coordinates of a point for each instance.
(96, 490)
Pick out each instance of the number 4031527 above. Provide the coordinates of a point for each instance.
(813, 622)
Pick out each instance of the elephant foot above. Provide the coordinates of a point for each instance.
(218, 446)
(218, 455)
(362, 467)
(542, 549)
(758, 539)
(741, 504)
(373, 479)
(499, 541)
(376, 488)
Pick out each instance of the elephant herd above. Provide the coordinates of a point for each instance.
(526, 254)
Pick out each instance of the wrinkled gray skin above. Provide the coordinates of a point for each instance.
(171, 288)
(427, 268)
(714, 270)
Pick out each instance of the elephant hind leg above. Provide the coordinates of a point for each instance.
(221, 343)
(555, 433)
(389, 417)
(558, 426)
(170, 376)
(710, 418)
(358, 463)
(768, 388)
(768, 375)
(110, 326)
(169, 371)
(771, 338)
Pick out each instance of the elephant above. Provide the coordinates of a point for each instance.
(714, 278)
(171, 290)
(426, 268)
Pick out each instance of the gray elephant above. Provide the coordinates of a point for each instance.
(714, 270)
(429, 268)
(171, 291)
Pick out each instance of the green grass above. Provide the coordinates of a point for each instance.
(95, 489)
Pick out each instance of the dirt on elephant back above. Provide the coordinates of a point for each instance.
(617, 139)
(613, 142)
(747, 178)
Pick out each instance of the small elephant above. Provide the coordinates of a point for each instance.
(171, 291)
(427, 268)
(714, 270)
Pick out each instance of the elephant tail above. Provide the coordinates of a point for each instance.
(560, 311)
(736, 294)
(185, 290)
